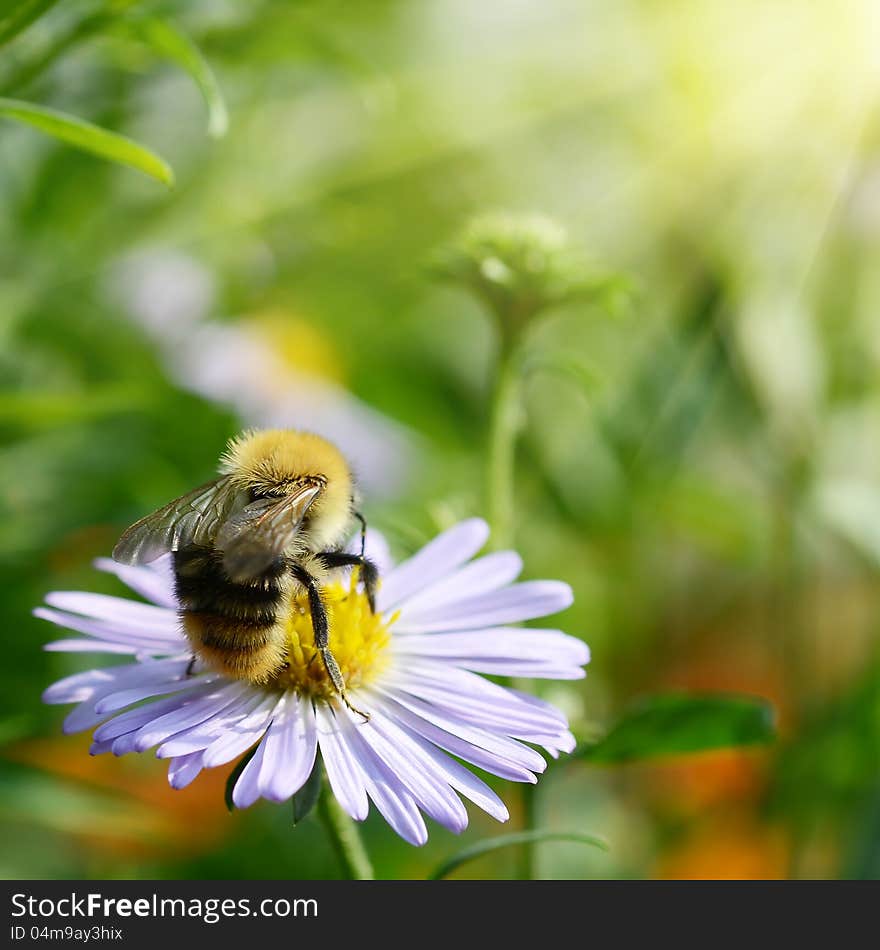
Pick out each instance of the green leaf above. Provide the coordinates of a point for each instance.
(506, 841)
(21, 16)
(676, 723)
(168, 41)
(88, 137)
(307, 797)
(234, 776)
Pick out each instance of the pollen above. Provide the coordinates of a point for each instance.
(359, 640)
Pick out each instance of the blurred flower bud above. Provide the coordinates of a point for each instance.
(519, 266)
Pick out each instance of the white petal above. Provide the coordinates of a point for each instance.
(433, 562)
(513, 604)
(154, 585)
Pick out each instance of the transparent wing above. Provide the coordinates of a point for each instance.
(254, 537)
(194, 518)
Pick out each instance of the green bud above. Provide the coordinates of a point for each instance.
(519, 266)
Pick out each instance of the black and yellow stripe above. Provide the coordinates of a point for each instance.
(233, 626)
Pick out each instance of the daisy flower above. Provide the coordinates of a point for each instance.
(442, 619)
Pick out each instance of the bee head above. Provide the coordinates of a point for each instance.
(275, 463)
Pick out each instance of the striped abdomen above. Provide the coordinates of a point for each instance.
(233, 627)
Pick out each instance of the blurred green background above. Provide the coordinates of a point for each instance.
(700, 457)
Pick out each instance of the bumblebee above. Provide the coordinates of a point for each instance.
(275, 522)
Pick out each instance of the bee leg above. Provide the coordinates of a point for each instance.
(369, 571)
(191, 666)
(363, 522)
(321, 628)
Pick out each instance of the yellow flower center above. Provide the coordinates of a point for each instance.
(300, 345)
(358, 641)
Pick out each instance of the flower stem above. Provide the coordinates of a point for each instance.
(345, 837)
(504, 425)
(505, 422)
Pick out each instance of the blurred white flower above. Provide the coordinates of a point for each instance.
(275, 373)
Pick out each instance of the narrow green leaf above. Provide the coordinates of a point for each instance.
(20, 17)
(88, 137)
(676, 723)
(234, 776)
(168, 41)
(307, 797)
(507, 841)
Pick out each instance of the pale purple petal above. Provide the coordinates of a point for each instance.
(116, 632)
(415, 771)
(82, 686)
(184, 769)
(482, 576)
(94, 684)
(238, 740)
(247, 788)
(126, 697)
(395, 803)
(156, 585)
(193, 711)
(81, 717)
(475, 699)
(142, 618)
(343, 772)
(433, 562)
(493, 752)
(513, 604)
(288, 749)
(506, 651)
(562, 741)
(200, 736)
(92, 646)
(133, 719)
(449, 770)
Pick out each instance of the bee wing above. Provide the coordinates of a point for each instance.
(194, 518)
(257, 535)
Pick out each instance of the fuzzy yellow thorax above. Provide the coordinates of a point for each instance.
(358, 638)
